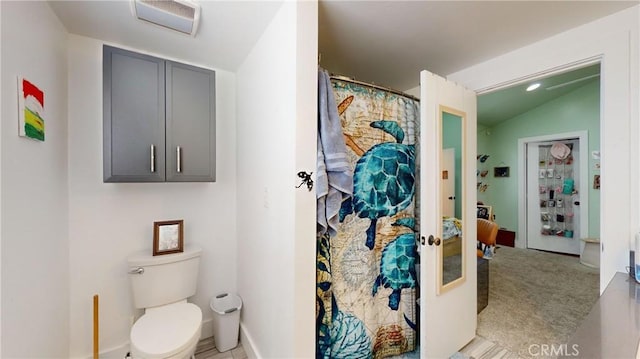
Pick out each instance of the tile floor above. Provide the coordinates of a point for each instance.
(480, 348)
(207, 350)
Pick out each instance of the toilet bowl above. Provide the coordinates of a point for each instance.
(170, 331)
(170, 326)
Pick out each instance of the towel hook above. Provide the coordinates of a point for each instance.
(306, 179)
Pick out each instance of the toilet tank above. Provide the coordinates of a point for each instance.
(163, 279)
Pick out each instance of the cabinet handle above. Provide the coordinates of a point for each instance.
(178, 159)
(153, 158)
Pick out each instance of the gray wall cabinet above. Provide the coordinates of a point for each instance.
(159, 119)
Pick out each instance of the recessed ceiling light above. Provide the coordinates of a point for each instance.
(533, 86)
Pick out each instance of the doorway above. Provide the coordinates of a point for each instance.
(448, 183)
(557, 199)
(505, 149)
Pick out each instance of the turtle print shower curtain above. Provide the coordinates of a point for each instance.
(366, 275)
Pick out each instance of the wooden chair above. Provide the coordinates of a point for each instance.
(487, 233)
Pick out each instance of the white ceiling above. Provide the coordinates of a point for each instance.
(505, 104)
(382, 42)
(389, 42)
(228, 29)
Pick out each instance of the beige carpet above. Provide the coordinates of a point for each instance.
(535, 297)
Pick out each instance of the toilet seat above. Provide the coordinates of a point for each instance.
(166, 331)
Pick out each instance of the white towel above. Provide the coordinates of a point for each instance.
(334, 176)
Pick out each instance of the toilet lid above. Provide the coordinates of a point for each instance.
(167, 330)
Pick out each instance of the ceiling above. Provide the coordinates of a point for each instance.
(228, 29)
(381, 42)
(389, 42)
(498, 106)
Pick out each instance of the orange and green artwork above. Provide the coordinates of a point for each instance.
(31, 110)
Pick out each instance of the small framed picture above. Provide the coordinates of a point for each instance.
(501, 172)
(168, 237)
(485, 212)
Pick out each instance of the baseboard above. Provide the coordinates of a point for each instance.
(248, 344)
(207, 329)
(118, 352)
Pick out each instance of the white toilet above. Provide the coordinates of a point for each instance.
(170, 327)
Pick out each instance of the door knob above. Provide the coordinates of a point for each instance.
(452, 197)
(433, 240)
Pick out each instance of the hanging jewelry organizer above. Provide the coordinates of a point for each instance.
(557, 189)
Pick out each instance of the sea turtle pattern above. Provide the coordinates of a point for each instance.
(398, 264)
(340, 335)
(383, 180)
(353, 317)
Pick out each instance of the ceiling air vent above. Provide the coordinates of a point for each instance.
(179, 15)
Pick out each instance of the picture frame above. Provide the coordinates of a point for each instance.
(30, 110)
(168, 237)
(501, 172)
(485, 212)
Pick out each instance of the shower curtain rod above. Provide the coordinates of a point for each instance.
(396, 92)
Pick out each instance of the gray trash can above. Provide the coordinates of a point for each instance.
(226, 320)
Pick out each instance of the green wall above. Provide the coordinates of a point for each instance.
(483, 148)
(576, 111)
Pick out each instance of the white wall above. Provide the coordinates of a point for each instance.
(35, 245)
(110, 221)
(306, 159)
(615, 39)
(276, 269)
(2, 115)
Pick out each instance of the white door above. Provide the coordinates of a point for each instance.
(448, 315)
(448, 182)
(553, 209)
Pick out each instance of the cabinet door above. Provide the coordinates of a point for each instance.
(134, 112)
(190, 121)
